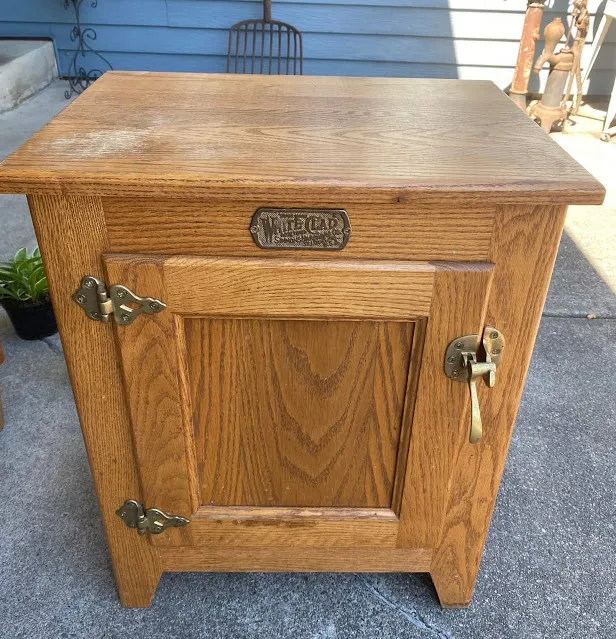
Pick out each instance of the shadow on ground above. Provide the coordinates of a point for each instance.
(577, 290)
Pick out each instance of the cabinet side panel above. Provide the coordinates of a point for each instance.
(72, 236)
(525, 243)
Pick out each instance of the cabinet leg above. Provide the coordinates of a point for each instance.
(72, 236)
(454, 589)
(136, 587)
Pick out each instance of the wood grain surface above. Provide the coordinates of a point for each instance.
(289, 137)
(149, 352)
(288, 288)
(298, 515)
(71, 234)
(298, 527)
(423, 231)
(441, 419)
(524, 250)
(297, 413)
(289, 559)
(419, 340)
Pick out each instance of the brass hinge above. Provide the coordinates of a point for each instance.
(121, 302)
(462, 365)
(152, 520)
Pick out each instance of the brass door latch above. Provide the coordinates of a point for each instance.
(462, 365)
(152, 520)
(121, 303)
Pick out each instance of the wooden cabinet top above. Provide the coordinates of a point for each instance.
(319, 138)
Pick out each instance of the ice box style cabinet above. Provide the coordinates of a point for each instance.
(297, 313)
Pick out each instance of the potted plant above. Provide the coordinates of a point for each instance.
(24, 293)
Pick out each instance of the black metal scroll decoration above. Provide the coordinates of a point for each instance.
(79, 79)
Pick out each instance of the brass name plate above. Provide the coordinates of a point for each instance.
(320, 229)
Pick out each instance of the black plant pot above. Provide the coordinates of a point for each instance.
(32, 320)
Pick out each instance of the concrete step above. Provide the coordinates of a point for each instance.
(26, 66)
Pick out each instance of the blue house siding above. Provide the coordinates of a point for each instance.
(414, 38)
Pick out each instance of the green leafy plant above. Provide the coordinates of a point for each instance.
(23, 278)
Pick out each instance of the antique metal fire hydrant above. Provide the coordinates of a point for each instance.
(526, 53)
(552, 108)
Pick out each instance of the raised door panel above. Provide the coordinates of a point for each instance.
(297, 413)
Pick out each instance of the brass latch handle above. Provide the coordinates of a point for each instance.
(461, 365)
(477, 369)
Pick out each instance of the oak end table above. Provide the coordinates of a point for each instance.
(297, 313)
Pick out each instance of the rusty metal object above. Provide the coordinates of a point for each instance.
(526, 52)
(581, 22)
(265, 46)
(552, 108)
(552, 35)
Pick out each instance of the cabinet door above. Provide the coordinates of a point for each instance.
(274, 402)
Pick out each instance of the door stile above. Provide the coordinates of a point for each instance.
(151, 359)
(187, 411)
(441, 421)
